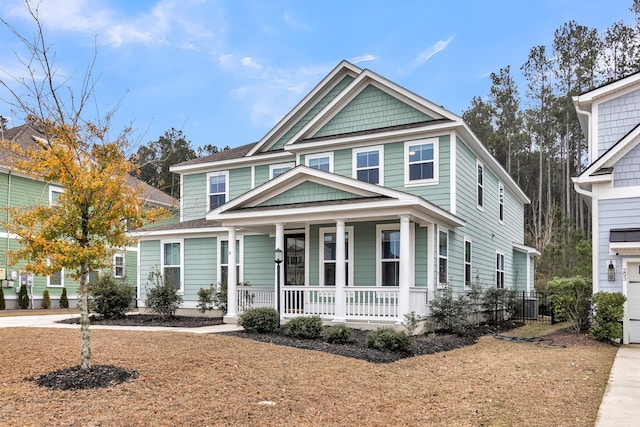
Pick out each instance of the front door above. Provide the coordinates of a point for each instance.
(633, 301)
(294, 273)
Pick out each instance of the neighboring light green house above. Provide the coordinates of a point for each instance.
(376, 196)
(19, 190)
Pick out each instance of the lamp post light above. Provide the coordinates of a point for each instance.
(278, 255)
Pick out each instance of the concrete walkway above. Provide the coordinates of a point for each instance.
(49, 321)
(620, 405)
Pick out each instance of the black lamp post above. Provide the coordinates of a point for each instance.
(278, 260)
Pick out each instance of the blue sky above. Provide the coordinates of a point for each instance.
(224, 72)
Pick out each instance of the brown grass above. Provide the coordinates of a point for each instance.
(219, 380)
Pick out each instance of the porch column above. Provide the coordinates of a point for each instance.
(404, 305)
(341, 279)
(232, 277)
(279, 245)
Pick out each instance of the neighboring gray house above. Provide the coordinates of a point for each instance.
(376, 196)
(610, 119)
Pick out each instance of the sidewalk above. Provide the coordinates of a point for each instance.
(620, 405)
(49, 321)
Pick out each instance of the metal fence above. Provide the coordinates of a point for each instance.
(533, 307)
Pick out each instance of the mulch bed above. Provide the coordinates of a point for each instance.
(151, 320)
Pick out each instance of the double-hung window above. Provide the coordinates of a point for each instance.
(217, 189)
(223, 261)
(499, 270)
(421, 162)
(501, 202)
(368, 165)
(480, 188)
(322, 161)
(443, 258)
(279, 169)
(118, 266)
(389, 250)
(56, 279)
(54, 194)
(328, 242)
(172, 257)
(467, 263)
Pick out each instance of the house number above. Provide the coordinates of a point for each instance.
(624, 274)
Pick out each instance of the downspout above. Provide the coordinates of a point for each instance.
(588, 114)
(6, 258)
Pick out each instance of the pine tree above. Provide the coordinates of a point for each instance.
(46, 299)
(2, 303)
(64, 301)
(23, 298)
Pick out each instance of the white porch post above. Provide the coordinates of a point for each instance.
(405, 278)
(341, 281)
(232, 277)
(431, 282)
(279, 245)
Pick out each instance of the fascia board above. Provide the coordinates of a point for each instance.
(231, 163)
(619, 150)
(190, 232)
(526, 249)
(343, 69)
(622, 85)
(596, 179)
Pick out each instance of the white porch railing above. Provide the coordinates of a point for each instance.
(361, 303)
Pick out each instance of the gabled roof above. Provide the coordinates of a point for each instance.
(26, 136)
(361, 200)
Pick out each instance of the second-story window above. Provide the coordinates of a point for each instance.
(480, 178)
(277, 170)
(367, 165)
(323, 161)
(54, 194)
(217, 189)
(501, 202)
(421, 166)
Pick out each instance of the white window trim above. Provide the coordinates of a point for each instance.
(324, 230)
(239, 261)
(61, 285)
(436, 161)
(438, 257)
(379, 229)
(380, 150)
(501, 207)
(479, 205)
(320, 156)
(467, 284)
(54, 189)
(503, 271)
(124, 263)
(290, 165)
(162, 265)
(226, 187)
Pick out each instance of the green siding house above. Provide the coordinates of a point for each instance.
(376, 197)
(18, 190)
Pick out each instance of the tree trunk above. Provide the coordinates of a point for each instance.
(85, 351)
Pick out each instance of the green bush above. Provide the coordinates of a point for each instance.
(23, 298)
(46, 299)
(338, 334)
(449, 313)
(64, 301)
(498, 303)
(162, 296)
(304, 327)
(261, 320)
(2, 303)
(205, 300)
(110, 297)
(607, 316)
(571, 298)
(388, 339)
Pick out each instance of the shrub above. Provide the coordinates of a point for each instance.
(304, 327)
(205, 299)
(411, 322)
(64, 301)
(46, 299)
(261, 320)
(110, 297)
(23, 297)
(449, 313)
(338, 334)
(162, 296)
(498, 302)
(571, 298)
(607, 316)
(220, 297)
(2, 303)
(388, 339)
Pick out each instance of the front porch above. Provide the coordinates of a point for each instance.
(358, 303)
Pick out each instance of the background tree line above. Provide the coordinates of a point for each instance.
(538, 139)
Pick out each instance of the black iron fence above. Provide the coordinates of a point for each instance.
(533, 307)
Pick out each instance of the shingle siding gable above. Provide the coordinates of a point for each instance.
(626, 172)
(616, 118)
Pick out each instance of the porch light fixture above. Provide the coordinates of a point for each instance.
(278, 255)
(611, 271)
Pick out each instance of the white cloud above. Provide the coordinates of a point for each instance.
(293, 22)
(427, 54)
(363, 58)
(248, 61)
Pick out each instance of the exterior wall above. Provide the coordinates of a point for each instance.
(309, 192)
(194, 196)
(261, 174)
(199, 266)
(626, 172)
(259, 268)
(312, 112)
(371, 109)
(614, 213)
(239, 182)
(149, 262)
(520, 261)
(616, 118)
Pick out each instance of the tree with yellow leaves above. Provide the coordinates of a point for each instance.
(90, 218)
